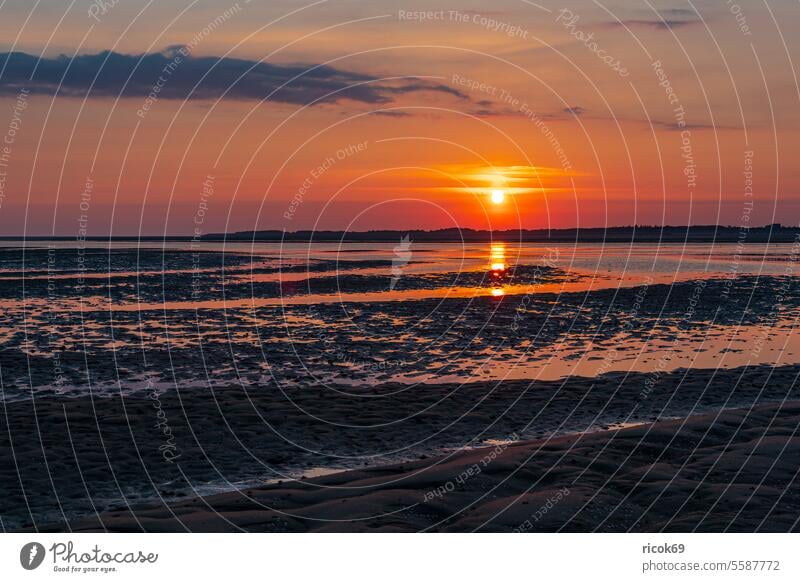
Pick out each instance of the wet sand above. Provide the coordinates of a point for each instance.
(729, 471)
(107, 410)
(87, 455)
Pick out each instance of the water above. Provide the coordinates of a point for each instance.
(127, 317)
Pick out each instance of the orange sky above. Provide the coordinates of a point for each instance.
(461, 102)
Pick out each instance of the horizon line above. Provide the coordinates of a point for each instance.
(215, 236)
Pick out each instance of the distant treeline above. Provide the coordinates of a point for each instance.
(617, 234)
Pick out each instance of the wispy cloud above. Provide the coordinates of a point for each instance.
(492, 109)
(663, 24)
(672, 126)
(390, 113)
(659, 24)
(575, 110)
(110, 74)
(512, 179)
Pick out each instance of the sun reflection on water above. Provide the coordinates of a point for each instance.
(497, 256)
(497, 266)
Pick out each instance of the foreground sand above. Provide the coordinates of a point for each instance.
(735, 470)
(65, 458)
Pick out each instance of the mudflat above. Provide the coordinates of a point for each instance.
(731, 470)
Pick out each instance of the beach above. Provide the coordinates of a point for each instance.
(733, 470)
(133, 377)
(106, 454)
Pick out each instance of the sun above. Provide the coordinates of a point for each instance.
(498, 196)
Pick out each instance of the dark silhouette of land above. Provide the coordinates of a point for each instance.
(616, 234)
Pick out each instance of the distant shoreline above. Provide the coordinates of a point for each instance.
(774, 233)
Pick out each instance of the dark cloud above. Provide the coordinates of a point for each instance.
(679, 12)
(673, 126)
(178, 75)
(664, 24)
(492, 109)
(412, 87)
(488, 113)
(575, 110)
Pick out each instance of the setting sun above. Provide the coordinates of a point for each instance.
(498, 196)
